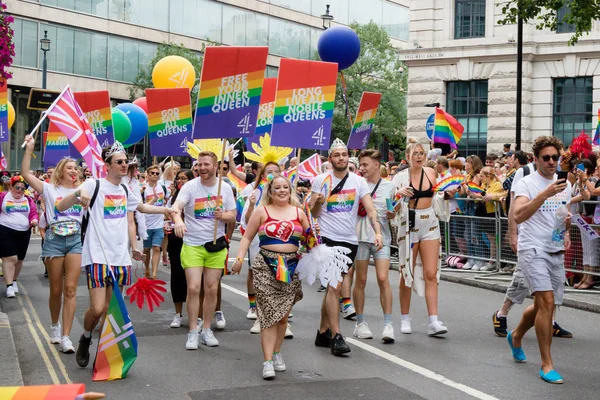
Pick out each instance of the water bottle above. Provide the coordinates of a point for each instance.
(560, 226)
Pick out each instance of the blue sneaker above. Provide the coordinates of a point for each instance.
(551, 376)
(517, 352)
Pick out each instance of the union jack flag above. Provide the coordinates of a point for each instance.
(3, 164)
(70, 119)
(310, 168)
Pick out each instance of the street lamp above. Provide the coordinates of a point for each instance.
(45, 47)
(327, 18)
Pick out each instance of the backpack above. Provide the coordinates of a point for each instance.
(526, 171)
(86, 217)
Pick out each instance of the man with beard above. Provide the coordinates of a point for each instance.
(337, 210)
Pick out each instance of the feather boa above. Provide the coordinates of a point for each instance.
(328, 262)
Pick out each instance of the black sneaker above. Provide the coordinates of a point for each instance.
(321, 289)
(557, 331)
(323, 339)
(339, 346)
(499, 325)
(83, 351)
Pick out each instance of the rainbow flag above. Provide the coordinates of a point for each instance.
(261, 188)
(73, 391)
(446, 129)
(449, 182)
(96, 106)
(3, 111)
(237, 182)
(596, 140)
(230, 88)
(239, 207)
(292, 175)
(117, 349)
(326, 186)
(282, 273)
(365, 120)
(475, 188)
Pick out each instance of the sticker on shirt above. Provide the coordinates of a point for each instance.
(281, 230)
(14, 206)
(74, 211)
(115, 206)
(204, 207)
(160, 201)
(342, 201)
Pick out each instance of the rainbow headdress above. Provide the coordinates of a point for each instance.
(446, 184)
(447, 129)
(475, 188)
(282, 273)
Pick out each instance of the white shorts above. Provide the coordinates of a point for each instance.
(427, 226)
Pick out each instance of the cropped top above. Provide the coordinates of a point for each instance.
(274, 231)
(422, 194)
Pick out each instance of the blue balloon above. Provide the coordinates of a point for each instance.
(139, 122)
(339, 44)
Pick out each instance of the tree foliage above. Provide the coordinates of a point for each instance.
(544, 13)
(378, 69)
(143, 80)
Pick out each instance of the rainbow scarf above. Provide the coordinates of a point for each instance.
(475, 188)
(447, 129)
(449, 182)
(282, 272)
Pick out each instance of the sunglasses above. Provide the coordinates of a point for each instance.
(547, 157)
(121, 162)
(20, 188)
(154, 173)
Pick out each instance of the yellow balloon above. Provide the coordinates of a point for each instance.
(173, 72)
(11, 115)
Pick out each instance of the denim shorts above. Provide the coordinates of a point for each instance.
(366, 250)
(60, 246)
(155, 238)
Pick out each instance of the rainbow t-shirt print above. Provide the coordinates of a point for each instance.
(115, 206)
(204, 207)
(342, 201)
(14, 206)
(160, 201)
(74, 211)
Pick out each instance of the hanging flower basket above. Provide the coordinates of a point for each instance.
(7, 47)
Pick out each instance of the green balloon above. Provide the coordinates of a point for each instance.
(121, 125)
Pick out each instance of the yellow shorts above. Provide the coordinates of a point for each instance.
(197, 256)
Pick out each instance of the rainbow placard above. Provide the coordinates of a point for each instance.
(266, 111)
(96, 106)
(4, 131)
(57, 146)
(230, 91)
(304, 104)
(169, 121)
(365, 120)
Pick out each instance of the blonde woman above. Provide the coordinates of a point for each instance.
(279, 223)
(62, 245)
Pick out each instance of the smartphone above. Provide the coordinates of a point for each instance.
(581, 167)
(563, 175)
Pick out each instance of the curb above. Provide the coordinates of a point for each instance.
(11, 369)
(579, 305)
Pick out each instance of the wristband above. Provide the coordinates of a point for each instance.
(77, 193)
(240, 259)
(379, 235)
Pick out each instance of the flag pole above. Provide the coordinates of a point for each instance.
(44, 115)
(298, 155)
(219, 188)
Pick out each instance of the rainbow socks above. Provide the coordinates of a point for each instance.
(345, 302)
(252, 300)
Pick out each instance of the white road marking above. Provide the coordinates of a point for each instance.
(401, 362)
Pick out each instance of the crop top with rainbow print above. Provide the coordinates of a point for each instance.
(274, 231)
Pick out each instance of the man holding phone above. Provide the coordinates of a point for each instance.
(542, 241)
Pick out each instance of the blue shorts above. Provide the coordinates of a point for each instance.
(366, 250)
(155, 238)
(60, 246)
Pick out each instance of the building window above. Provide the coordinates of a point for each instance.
(469, 19)
(467, 102)
(573, 107)
(564, 27)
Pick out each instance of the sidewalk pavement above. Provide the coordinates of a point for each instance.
(11, 369)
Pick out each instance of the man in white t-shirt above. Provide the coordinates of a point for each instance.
(543, 237)
(110, 232)
(202, 260)
(382, 192)
(338, 214)
(156, 195)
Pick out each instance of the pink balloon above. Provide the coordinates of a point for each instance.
(141, 103)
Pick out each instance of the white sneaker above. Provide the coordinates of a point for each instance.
(291, 315)
(469, 265)
(436, 328)
(199, 324)
(255, 327)
(278, 364)
(477, 265)
(10, 292)
(268, 370)
(207, 338)
(349, 313)
(288, 334)
(55, 336)
(405, 326)
(192, 340)
(362, 331)
(221, 323)
(251, 313)
(15, 287)
(176, 321)
(66, 346)
(491, 266)
(388, 333)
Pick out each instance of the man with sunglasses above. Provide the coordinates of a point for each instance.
(155, 195)
(542, 240)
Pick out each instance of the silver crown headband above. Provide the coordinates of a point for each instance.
(134, 161)
(116, 148)
(337, 144)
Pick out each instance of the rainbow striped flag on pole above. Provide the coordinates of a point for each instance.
(117, 349)
(446, 129)
(596, 140)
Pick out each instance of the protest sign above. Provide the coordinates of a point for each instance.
(365, 119)
(96, 106)
(169, 121)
